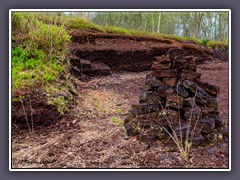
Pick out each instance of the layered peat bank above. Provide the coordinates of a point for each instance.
(131, 93)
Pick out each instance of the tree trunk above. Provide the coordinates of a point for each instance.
(145, 22)
(215, 27)
(219, 27)
(159, 22)
(198, 18)
(153, 24)
(106, 19)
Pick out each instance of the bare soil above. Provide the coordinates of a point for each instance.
(92, 134)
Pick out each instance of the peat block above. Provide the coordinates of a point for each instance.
(153, 82)
(192, 114)
(181, 91)
(147, 136)
(162, 59)
(198, 60)
(197, 140)
(157, 66)
(166, 73)
(218, 121)
(176, 54)
(150, 98)
(170, 81)
(202, 97)
(181, 130)
(189, 59)
(210, 112)
(148, 108)
(179, 64)
(189, 85)
(191, 67)
(174, 102)
(210, 88)
(130, 129)
(207, 124)
(189, 102)
(191, 75)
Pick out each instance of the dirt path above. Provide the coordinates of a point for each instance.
(92, 135)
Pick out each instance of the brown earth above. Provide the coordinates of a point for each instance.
(92, 134)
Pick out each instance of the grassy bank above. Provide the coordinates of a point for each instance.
(78, 23)
(39, 58)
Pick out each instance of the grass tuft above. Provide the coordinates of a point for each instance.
(183, 143)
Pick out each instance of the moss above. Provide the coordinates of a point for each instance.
(29, 70)
(204, 42)
(58, 95)
(217, 45)
(60, 102)
(78, 23)
(18, 98)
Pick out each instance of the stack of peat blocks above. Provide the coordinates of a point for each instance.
(174, 99)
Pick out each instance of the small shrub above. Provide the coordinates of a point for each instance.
(204, 42)
(29, 69)
(79, 23)
(40, 56)
(59, 96)
(50, 38)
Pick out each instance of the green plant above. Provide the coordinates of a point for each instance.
(61, 103)
(218, 45)
(30, 68)
(79, 23)
(119, 111)
(115, 119)
(204, 42)
(59, 95)
(18, 99)
(118, 30)
(52, 39)
(39, 55)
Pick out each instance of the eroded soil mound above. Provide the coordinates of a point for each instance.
(39, 106)
(31, 110)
